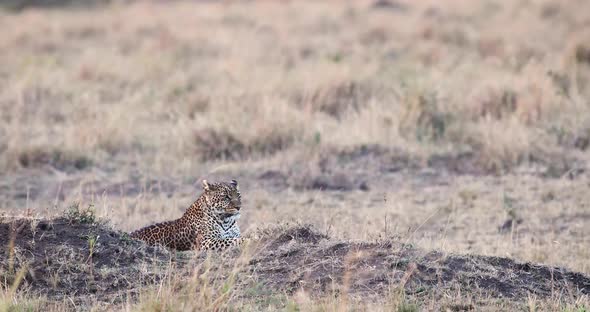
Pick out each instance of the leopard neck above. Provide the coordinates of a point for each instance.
(196, 208)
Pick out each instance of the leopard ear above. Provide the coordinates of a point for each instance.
(234, 183)
(206, 186)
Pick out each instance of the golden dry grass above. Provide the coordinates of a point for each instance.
(126, 106)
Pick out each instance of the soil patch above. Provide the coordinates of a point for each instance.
(323, 266)
(88, 262)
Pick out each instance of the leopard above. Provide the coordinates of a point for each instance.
(210, 223)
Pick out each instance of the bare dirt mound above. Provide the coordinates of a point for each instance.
(299, 258)
(77, 259)
(89, 262)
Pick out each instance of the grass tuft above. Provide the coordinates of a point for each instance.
(75, 214)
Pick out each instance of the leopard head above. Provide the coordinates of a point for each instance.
(223, 199)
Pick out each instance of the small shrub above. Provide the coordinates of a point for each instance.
(336, 99)
(211, 144)
(407, 307)
(75, 214)
(92, 243)
(59, 159)
(270, 142)
(576, 138)
(582, 54)
(495, 103)
(423, 119)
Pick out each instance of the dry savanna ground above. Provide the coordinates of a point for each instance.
(392, 155)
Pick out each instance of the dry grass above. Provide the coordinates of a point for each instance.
(460, 126)
(141, 83)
